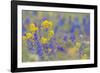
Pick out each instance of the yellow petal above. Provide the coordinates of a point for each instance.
(28, 35)
(43, 40)
(51, 33)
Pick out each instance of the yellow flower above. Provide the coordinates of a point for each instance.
(44, 40)
(32, 27)
(51, 33)
(28, 35)
(50, 24)
(77, 45)
(47, 24)
(24, 37)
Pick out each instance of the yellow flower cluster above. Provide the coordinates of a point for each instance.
(47, 24)
(33, 28)
(28, 36)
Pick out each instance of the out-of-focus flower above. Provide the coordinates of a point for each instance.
(72, 30)
(61, 21)
(35, 36)
(32, 27)
(23, 31)
(51, 33)
(39, 49)
(24, 37)
(29, 44)
(75, 25)
(56, 29)
(27, 20)
(65, 38)
(44, 40)
(60, 48)
(44, 18)
(28, 35)
(50, 24)
(86, 24)
(51, 45)
(72, 37)
(47, 24)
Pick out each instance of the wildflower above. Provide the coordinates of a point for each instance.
(32, 27)
(65, 38)
(86, 24)
(50, 24)
(28, 35)
(55, 29)
(51, 33)
(39, 52)
(23, 31)
(47, 24)
(39, 49)
(27, 20)
(44, 40)
(35, 36)
(61, 21)
(75, 24)
(51, 45)
(24, 37)
(29, 44)
(44, 18)
(60, 48)
(72, 37)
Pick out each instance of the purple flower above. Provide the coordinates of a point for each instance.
(23, 31)
(86, 24)
(29, 43)
(27, 20)
(61, 21)
(51, 46)
(39, 49)
(72, 37)
(65, 38)
(44, 18)
(35, 36)
(55, 29)
(72, 30)
(60, 48)
(30, 46)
